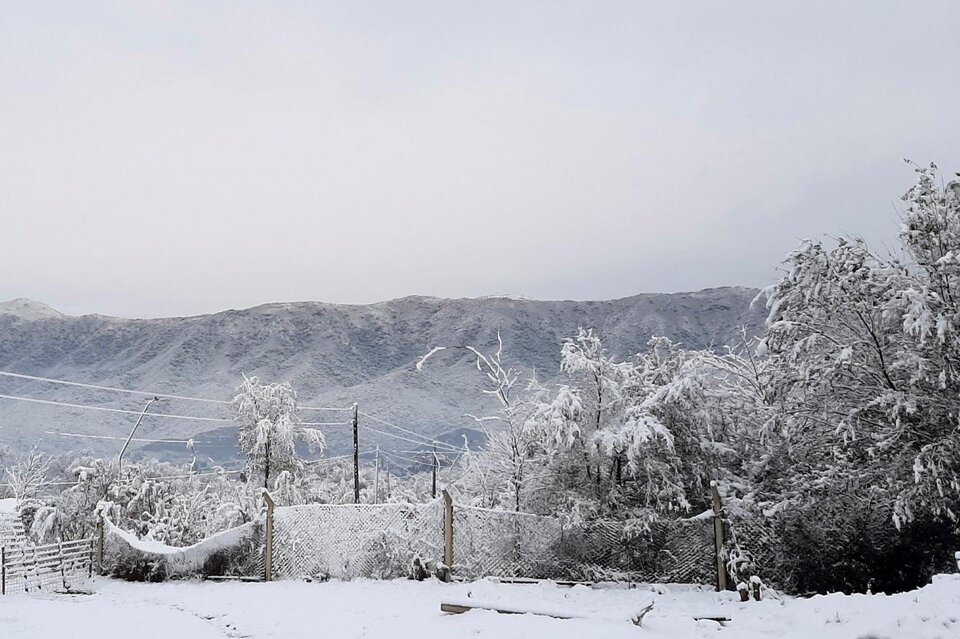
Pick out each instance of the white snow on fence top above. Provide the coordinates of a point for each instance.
(707, 514)
(219, 540)
(181, 560)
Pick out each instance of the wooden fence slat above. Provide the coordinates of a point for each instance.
(47, 565)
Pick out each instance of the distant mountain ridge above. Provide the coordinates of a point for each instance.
(24, 308)
(332, 354)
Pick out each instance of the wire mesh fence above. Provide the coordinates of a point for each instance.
(382, 541)
(750, 548)
(324, 541)
(517, 545)
(505, 544)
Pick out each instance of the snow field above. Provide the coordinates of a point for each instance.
(403, 609)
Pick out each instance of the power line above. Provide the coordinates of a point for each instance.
(400, 428)
(206, 474)
(113, 410)
(429, 452)
(422, 438)
(400, 437)
(135, 439)
(397, 457)
(426, 439)
(214, 472)
(326, 424)
(112, 388)
(348, 456)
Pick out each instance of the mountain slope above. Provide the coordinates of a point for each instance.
(333, 355)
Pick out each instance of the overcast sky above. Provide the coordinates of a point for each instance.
(169, 159)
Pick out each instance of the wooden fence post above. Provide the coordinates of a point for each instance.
(718, 537)
(447, 529)
(100, 533)
(268, 546)
(356, 454)
(3, 570)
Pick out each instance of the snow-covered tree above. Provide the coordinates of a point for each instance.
(269, 426)
(596, 445)
(28, 475)
(600, 379)
(927, 428)
(512, 468)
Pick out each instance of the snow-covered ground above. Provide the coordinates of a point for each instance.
(401, 609)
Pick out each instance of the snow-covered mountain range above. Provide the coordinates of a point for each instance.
(333, 355)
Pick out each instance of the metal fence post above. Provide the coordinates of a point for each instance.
(90, 561)
(718, 537)
(60, 562)
(268, 545)
(448, 529)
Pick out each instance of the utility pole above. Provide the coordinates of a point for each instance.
(388, 479)
(130, 438)
(436, 462)
(376, 483)
(356, 455)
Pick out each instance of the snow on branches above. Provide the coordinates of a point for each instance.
(269, 425)
(870, 356)
(28, 475)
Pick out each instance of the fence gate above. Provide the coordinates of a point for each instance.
(11, 531)
(57, 566)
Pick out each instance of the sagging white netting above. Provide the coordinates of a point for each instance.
(347, 541)
(236, 551)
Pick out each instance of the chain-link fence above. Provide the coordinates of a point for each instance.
(750, 548)
(382, 541)
(323, 541)
(501, 543)
(510, 545)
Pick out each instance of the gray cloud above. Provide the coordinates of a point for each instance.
(163, 159)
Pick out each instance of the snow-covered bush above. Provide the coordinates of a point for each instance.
(235, 551)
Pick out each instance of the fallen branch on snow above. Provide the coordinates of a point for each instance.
(465, 605)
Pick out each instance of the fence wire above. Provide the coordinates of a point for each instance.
(517, 545)
(347, 541)
(505, 544)
(382, 541)
(750, 548)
